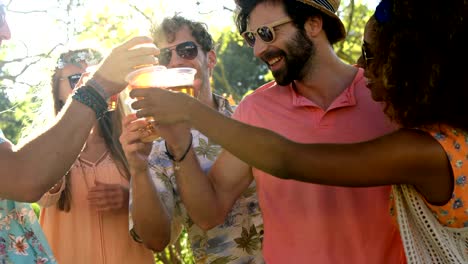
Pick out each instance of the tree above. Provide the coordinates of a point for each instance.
(237, 71)
(354, 17)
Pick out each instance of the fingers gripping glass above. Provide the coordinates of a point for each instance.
(265, 32)
(366, 53)
(74, 79)
(186, 50)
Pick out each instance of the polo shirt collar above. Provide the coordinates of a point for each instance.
(346, 98)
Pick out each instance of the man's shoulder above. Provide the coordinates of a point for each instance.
(260, 93)
(266, 87)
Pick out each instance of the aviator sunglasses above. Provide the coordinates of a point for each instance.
(186, 50)
(265, 32)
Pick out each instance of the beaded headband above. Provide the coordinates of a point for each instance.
(91, 57)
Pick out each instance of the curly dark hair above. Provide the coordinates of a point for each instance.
(419, 47)
(297, 10)
(170, 26)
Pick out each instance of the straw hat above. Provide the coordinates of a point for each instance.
(329, 8)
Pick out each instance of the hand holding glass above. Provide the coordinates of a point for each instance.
(146, 77)
(174, 79)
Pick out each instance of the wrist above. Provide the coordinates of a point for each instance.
(138, 171)
(108, 87)
(180, 155)
(98, 87)
(89, 97)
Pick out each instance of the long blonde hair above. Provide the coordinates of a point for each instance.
(110, 123)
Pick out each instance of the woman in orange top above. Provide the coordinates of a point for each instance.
(85, 215)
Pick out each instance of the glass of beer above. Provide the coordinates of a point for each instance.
(146, 77)
(180, 80)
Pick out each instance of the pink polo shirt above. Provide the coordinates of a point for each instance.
(310, 223)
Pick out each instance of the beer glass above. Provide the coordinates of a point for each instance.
(146, 77)
(180, 80)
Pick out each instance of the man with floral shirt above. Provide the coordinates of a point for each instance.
(157, 207)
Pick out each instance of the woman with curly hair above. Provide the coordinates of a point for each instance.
(410, 56)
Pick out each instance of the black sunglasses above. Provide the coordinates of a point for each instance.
(265, 32)
(366, 53)
(186, 50)
(74, 79)
(2, 16)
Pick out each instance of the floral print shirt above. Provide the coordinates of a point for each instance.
(21, 237)
(239, 238)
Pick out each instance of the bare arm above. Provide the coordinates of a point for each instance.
(209, 198)
(403, 157)
(150, 218)
(30, 170)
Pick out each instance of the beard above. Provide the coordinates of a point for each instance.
(299, 51)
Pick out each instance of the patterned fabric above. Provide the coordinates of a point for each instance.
(455, 144)
(436, 234)
(239, 239)
(21, 238)
(425, 239)
(455, 212)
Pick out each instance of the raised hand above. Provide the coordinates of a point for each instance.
(108, 197)
(122, 60)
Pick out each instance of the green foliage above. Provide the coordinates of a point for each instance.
(354, 17)
(106, 28)
(15, 115)
(237, 70)
(178, 253)
(36, 208)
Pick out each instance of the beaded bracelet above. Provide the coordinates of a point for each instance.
(89, 97)
(92, 82)
(171, 157)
